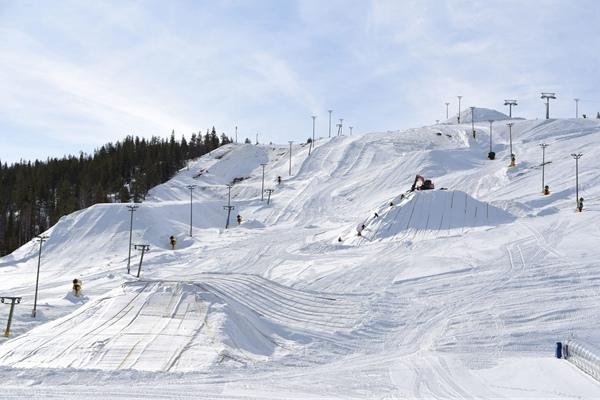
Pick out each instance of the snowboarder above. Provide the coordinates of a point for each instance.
(279, 180)
(239, 219)
(76, 287)
(391, 204)
(580, 204)
(173, 242)
(546, 190)
(339, 239)
(376, 216)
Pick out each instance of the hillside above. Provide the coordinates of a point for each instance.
(456, 292)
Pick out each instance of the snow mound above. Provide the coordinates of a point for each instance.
(434, 213)
(184, 326)
(479, 114)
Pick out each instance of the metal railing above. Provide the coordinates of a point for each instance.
(583, 356)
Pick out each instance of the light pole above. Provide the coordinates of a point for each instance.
(576, 108)
(329, 111)
(576, 156)
(512, 156)
(290, 142)
(262, 186)
(543, 146)
(510, 104)
(13, 300)
(41, 239)
(314, 117)
(473, 120)
(228, 207)
(548, 96)
(144, 248)
(447, 104)
(132, 209)
(491, 154)
(350, 127)
(269, 191)
(256, 137)
(191, 187)
(459, 97)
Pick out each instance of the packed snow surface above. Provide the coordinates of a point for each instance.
(457, 292)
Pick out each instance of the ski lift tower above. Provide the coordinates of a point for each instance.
(510, 104)
(547, 96)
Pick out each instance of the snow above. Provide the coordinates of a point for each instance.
(478, 115)
(460, 292)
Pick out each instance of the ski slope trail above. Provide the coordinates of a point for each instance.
(452, 293)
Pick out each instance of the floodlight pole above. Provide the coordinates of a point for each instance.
(329, 111)
(510, 104)
(290, 142)
(236, 134)
(262, 186)
(191, 187)
(256, 137)
(228, 207)
(40, 239)
(548, 96)
(13, 300)
(350, 127)
(510, 124)
(144, 248)
(314, 117)
(576, 156)
(473, 120)
(576, 108)
(491, 121)
(447, 104)
(132, 209)
(459, 97)
(543, 146)
(269, 191)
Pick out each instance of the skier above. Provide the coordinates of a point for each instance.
(580, 204)
(512, 160)
(279, 180)
(173, 242)
(546, 190)
(376, 216)
(239, 219)
(339, 239)
(76, 287)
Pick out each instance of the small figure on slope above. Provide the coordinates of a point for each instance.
(239, 219)
(580, 204)
(76, 287)
(546, 190)
(173, 242)
(279, 180)
(359, 229)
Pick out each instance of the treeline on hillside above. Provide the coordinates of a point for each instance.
(34, 195)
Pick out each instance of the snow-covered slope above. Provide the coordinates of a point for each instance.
(478, 115)
(448, 293)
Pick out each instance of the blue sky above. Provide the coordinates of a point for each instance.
(76, 74)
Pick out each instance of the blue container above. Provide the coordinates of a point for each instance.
(558, 349)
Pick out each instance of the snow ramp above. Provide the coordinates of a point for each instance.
(435, 213)
(223, 319)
